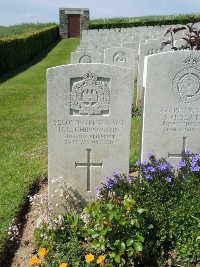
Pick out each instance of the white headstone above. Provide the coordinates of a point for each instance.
(89, 120)
(171, 115)
(144, 50)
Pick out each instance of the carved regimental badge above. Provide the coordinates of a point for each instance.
(90, 96)
(120, 57)
(85, 59)
(186, 83)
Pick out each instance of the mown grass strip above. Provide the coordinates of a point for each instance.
(23, 130)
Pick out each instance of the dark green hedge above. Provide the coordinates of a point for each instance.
(139, 23)
(18, 50)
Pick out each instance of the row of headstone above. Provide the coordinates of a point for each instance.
(123, 47)
(89, 113)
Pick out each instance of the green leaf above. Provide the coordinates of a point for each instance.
(95, 243)
(117, 242)
(137, 246)
(138, 237)
(140, 210)
(122, 246)
(129, 242)
(130, 253)
(104, 232)
(95, 235)
(150, 226)
(117, 258)
(109, 228)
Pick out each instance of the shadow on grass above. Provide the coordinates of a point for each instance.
(35, 60)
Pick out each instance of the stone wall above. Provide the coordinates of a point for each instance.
(64, 12)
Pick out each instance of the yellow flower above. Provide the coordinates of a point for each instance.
(35, 261)
(100, 259)
(63, 265)
(42, 252)
(89, 258)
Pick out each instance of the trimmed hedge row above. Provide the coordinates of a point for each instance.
(18, 50)
(110, 25)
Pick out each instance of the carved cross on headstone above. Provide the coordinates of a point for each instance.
(176, 155)
(88, 164)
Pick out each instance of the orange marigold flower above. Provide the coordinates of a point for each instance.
(100, 259)
(89, 258)
(42, 252)
(63, 265)
(35, 261)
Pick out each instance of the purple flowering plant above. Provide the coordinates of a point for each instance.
(190, 163)
(154, 170)
(117, 184)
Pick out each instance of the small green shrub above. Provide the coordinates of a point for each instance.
(173, 205)
(114, 228)
(106, 232)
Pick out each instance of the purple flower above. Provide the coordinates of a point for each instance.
(108, 178)
(150, 155)
(115, 173)
(97, 189)
(151, 168)
(114, 181)
(149, 177)
(187, 153)
(129, 180)
(145, 163)
(109, 185)
(181, 164)
(195, 163)
(168, 179)
(164, 167)
(138, 163)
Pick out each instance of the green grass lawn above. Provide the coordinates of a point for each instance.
(23, 128)
(23, 142)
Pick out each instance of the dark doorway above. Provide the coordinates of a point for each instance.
(73, 26)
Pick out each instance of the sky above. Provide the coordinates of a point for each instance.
(21, 11)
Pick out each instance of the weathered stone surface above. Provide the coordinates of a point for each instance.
(171, 116)
(89, 120)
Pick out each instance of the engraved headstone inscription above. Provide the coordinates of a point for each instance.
(171, 115)
(89, 120)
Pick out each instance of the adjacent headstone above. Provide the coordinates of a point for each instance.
(86, 57)
(145, 50)
(171, 116)
(124, 57)
(88, 134)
